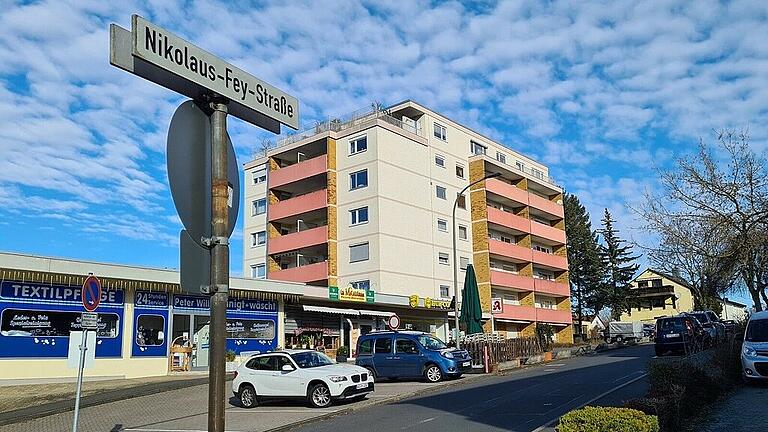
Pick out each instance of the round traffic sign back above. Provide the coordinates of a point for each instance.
(91, 293)
(393, 322)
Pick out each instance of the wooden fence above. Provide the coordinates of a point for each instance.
(501, 350)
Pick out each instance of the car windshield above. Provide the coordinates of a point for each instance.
(702, 317)
(310, 359)
(757, 331)
(432, 343)
(671, 325)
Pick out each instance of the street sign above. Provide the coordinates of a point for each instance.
(160, 56)
(74, 353)
(393, 322)
(189, 173)
(195, 265)
(89, 321)
(91, 293)
(497, 305)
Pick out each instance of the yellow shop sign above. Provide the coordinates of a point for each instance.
(429, 303)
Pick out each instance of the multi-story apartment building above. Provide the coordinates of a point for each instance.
(362, 205)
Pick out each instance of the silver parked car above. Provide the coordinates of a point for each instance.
(754, 350)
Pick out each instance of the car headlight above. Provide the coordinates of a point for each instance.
(749, 351)
(448, 355)
(337, 378)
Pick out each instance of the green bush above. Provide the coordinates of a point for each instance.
(230, 356)
(607, 419)
(342, 351)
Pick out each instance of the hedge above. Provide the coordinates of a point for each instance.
(607, 419)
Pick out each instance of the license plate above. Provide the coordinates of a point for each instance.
(362, 386)
(465, 364)
(671, 335)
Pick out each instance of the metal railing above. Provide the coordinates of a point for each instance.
(338, 124)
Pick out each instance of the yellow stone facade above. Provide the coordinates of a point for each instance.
(333, 227)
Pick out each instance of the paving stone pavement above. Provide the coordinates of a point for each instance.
(745, 410)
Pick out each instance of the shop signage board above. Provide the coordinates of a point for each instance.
(415, 301)
(351, 294)
(497, 305)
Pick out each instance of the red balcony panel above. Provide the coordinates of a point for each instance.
(548, 232)
(553, 316)
(298, 240)
(507, 190)
(307, 273)
(298, 205)
(511, 280)
(551, 287)
(509, 250)
(550, 260)
(296, 172)
(515, 312)
(546, 205)
(509, 220)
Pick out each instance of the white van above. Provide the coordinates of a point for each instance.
(754, 350)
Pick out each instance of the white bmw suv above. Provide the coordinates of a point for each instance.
(299, 374)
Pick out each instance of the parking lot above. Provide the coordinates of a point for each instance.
(186, 410)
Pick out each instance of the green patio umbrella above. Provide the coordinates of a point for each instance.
(471, 311)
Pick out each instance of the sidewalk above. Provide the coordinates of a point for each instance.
(745, 410)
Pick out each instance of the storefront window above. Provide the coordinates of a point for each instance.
(20, 322)
(150, 330)
(250, 329)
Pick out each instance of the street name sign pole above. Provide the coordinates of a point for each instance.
(90, 294)
(219, 89)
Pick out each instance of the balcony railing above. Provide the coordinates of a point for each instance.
(298, 240)
(547, 232)
(339, 124)
(298, 171)
(306, 273)
(550, 260)
(511, 280)
(546, 205)
(298, 205)
(509, 250)
(514, 312)
(508, 220)
(551, 287)
(554, 316)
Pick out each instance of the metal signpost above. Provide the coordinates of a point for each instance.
(90, 293)
(202, 168)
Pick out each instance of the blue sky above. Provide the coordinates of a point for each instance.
(604, 93)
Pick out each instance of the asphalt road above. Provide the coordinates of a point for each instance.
(525, 400)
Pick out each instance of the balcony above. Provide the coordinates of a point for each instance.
(298, 240)
(546, 205)
(553, 316)
(306, 273)
(511, 280)
(551, 287)
(509, 220)
(515, 312)
(507, 190)
(299, 171)
(509, 250)
(547, 232)
(550, 260)
(298, 205)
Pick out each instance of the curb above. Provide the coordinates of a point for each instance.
(100, 398)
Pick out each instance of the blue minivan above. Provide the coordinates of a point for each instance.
(410, 354)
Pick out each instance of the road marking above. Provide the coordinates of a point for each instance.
(166, 430)
(600, 396)
(626, 376)
(426, 420)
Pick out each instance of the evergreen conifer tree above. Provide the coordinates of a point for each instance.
(620, 268)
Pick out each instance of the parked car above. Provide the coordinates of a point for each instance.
(710, 321)
(649, 331)
(679, 334)
(623, 331)
(730, 326)
(410, 354)
(299, 374)
(754, 350)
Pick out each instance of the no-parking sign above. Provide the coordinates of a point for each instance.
(91, 293)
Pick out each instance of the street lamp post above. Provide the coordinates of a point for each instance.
(455, 258)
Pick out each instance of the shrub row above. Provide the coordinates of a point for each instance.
(607, 419)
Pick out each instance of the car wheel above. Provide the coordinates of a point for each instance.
(433, 373)
(248, 397)
(319, 396)
(371, 372)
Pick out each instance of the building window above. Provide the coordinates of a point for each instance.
(519, 165)
(501, 157)
(478, 148)
(259, 271)
(443, 258)
(440, 161)
(259, 207)
(440, 191)
(258, 238)
(545, 302)
(463, 263)
(539, 274)
(358, 179)
(462, 232)
(537, 173)
(656, 283)
(445, 291)
(358, 252)
(459, 171)
(442, 225)
(540, 248)
(150, 330)
(359, 215)
(361, 284)
(16, 323)
(642, 284)
(358, 145)
(461, 201)
(441, 132)
(260, 175)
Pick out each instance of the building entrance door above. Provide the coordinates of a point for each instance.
(201, 341)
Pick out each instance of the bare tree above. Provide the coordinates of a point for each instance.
(712, 216)
(265, 146)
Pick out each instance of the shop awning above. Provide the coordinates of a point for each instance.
(376, 313)
(331, 310)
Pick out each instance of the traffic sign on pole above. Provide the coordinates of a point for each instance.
(91, 293)
(194, 265)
